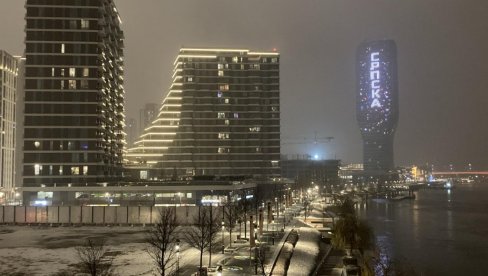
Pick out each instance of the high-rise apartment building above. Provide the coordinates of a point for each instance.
(221, 117)
(74, 94)
(8, 94)
(377, 103)
(147, 115)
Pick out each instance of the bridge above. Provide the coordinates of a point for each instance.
(461, 173)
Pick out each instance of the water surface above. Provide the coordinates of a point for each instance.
(441, 232)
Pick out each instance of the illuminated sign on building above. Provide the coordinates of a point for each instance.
(374, 77)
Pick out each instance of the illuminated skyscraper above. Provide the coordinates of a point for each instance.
(221, 117)
(377, 103)
(74, 95)
(9, 69)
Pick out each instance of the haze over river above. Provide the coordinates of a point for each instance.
(441, 232)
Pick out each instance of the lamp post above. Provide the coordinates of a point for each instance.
(223, 244)
(177, 247)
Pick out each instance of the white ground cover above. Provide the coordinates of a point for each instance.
(33, 250)
(305, 254)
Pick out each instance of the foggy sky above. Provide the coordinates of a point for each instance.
(443, 64)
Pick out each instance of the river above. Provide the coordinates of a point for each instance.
(441, 232)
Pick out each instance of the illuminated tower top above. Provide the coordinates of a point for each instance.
(377, 98)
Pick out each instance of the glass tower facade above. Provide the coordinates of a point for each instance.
(221, 117)
(74, 95)
(9, 69)
(377, 103)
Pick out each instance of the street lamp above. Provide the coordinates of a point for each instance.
(223, 244)
(177, 247)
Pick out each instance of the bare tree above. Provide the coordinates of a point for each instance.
(93, 260)
(230, 219)
(306, 204)
(202, 234)
(260, 259)
(161, 240)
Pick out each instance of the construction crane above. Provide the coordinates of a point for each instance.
(316, 140)
(307, 140)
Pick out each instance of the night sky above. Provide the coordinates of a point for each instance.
(443, 65)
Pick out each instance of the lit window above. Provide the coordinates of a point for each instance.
(62, 85)
(143, 174)
(226, 101)
(255, 129)
(220, 66)
(221, 73)
(190, 79)
(274, 163)
(223, 136)
(52, 72)
(223, 150)
(255, 66)
(60, 170)
(235, 59)
(258, 149)
(227, 122)
(274, 60)
(72, 72)
(219, 94)
(221, 115)
(37, 144)
(236, 115)
(75, 170)
(85, 24)
(63, 49)
(85, 170)
(37, 169)
(86, 72)
(274, 108)
(62, 72)
(224, 87)
(72, 84)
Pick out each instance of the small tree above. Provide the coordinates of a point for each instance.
(161, 240)
(92, 258)
(306, 204)
(230, 219)
(202, 234)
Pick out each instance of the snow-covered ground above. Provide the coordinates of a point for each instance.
(305, 253)
(45, 251)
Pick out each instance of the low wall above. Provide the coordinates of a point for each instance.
(96, 215)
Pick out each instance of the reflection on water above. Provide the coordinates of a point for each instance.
(441, 232)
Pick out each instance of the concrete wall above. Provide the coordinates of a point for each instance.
(96, 215)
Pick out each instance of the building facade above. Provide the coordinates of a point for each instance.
(377, 104)
(147, 115)
(221, 117)
(304, 171)
(9, 70)
(74, 95)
